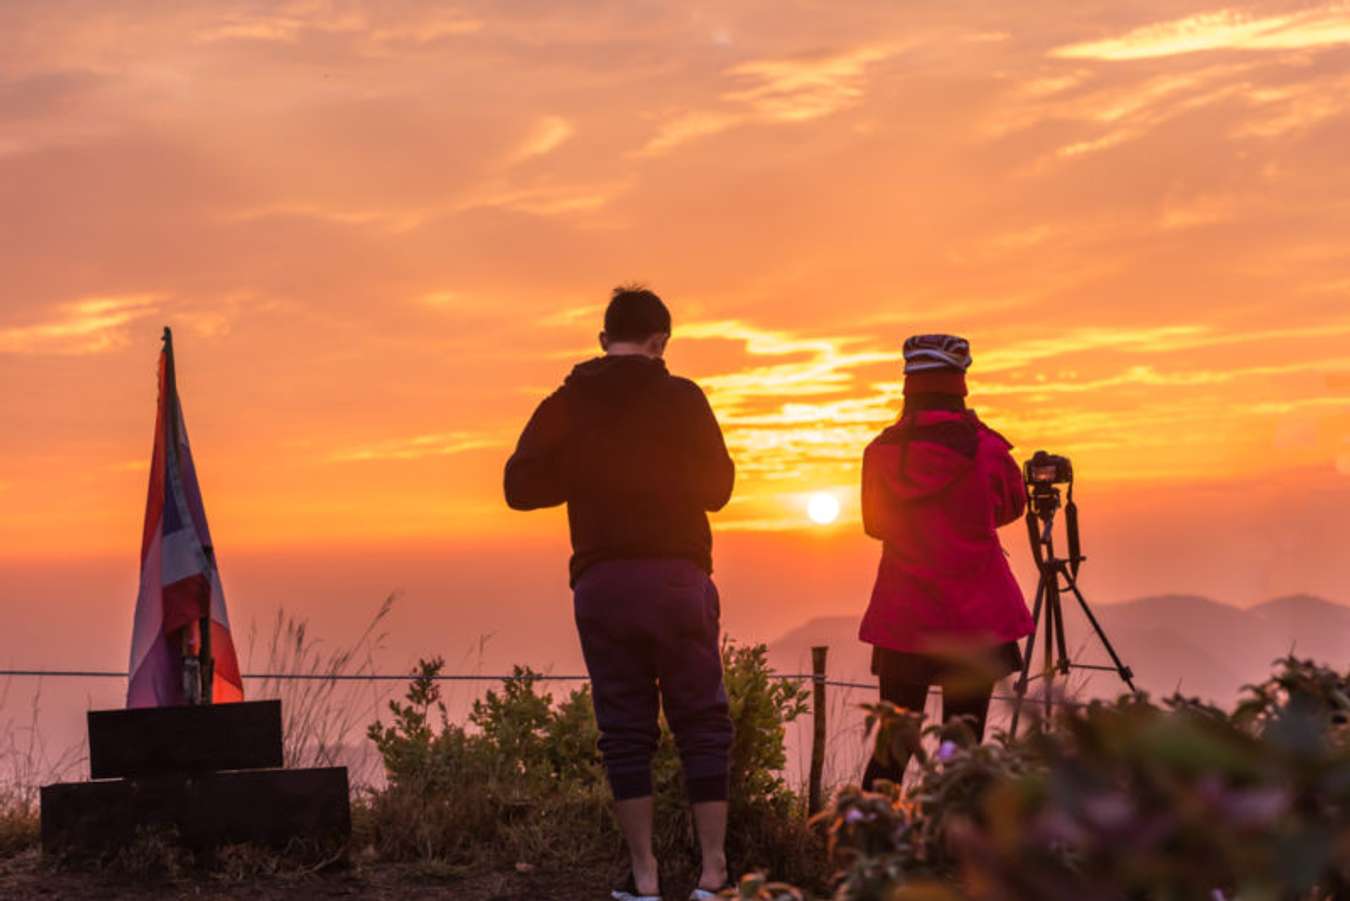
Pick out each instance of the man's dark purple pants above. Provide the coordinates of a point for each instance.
(649, 635)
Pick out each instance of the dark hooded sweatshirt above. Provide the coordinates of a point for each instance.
(637, 456)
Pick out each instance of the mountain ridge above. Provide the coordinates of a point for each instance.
(1174, 642)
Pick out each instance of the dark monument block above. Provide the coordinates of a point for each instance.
(208, 775)
(157, 741)
(270, 808)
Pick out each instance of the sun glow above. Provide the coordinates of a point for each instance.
(823, 508)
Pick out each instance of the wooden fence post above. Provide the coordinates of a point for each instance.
(818, 735)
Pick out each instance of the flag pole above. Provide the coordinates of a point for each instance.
(200, 675)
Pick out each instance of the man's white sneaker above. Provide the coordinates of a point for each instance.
(629, 892)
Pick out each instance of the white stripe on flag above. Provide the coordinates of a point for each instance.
(149, 606)
(181, 556)
(218, 612)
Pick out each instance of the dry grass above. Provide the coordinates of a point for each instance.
(26, 764)
(18, 828)
(325, 713)
(151, 854)
(474, 828)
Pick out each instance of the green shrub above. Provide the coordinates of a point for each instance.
(1118, 801)
(522, 781)
(766, 819)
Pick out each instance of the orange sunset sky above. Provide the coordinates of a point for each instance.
(383, 230)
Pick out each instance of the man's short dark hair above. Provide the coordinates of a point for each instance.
(635, 314)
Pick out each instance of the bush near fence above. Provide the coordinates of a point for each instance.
(1122, 800)
(522, 783)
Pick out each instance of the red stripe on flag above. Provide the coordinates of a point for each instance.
(185, 602)
(227, 687)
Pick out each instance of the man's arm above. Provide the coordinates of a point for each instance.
(534, 474)
(714, 472)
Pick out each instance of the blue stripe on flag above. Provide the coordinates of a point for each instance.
(172, 522)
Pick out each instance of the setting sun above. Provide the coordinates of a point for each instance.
(823, 508)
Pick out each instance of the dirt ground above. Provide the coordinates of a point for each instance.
(27, 876)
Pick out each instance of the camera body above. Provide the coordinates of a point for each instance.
(1044, 473)
(1045, 469)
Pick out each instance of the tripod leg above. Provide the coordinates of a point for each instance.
(1126, 674)
(1020, 688)
(1054, 614)
(1061, 645)
(1051, 617)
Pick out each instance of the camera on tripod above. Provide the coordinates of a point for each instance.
(1047, 469)
(1044, 473)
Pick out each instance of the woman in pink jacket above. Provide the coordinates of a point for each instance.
(936, 486)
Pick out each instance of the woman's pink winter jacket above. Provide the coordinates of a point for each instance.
(935, 488)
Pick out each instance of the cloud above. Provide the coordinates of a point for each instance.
(1150, 376)
(691, 126)
(443, 299)
(1253, 96)
(778, 523)
(37, 96)
(802, 419)
(291, 27)
(86, 326)
(1279, 111)
(1136, 109)
(443, 444)
(1335, 402)
(795, 90)
(758, 341)
(779, 425)
(390, 220)
(445, 25)
(571, 316)
(543, 199)
(776, 91)
(825, 369)
(1022, 353)
(278, 27)
(547, 135)
(1158, 239)
(1322, 26)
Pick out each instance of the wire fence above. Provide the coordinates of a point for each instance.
(829, 746)
(455, 677)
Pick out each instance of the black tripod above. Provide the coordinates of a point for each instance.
(1043, 502)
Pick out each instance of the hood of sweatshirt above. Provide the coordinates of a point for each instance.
(615, 381)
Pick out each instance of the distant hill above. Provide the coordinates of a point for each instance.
(1173, 642)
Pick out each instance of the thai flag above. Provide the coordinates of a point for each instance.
(180, 584)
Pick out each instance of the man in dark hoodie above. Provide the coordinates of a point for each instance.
(638, 457)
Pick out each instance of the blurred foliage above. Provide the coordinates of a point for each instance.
(522, 780)
(1121, 800)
